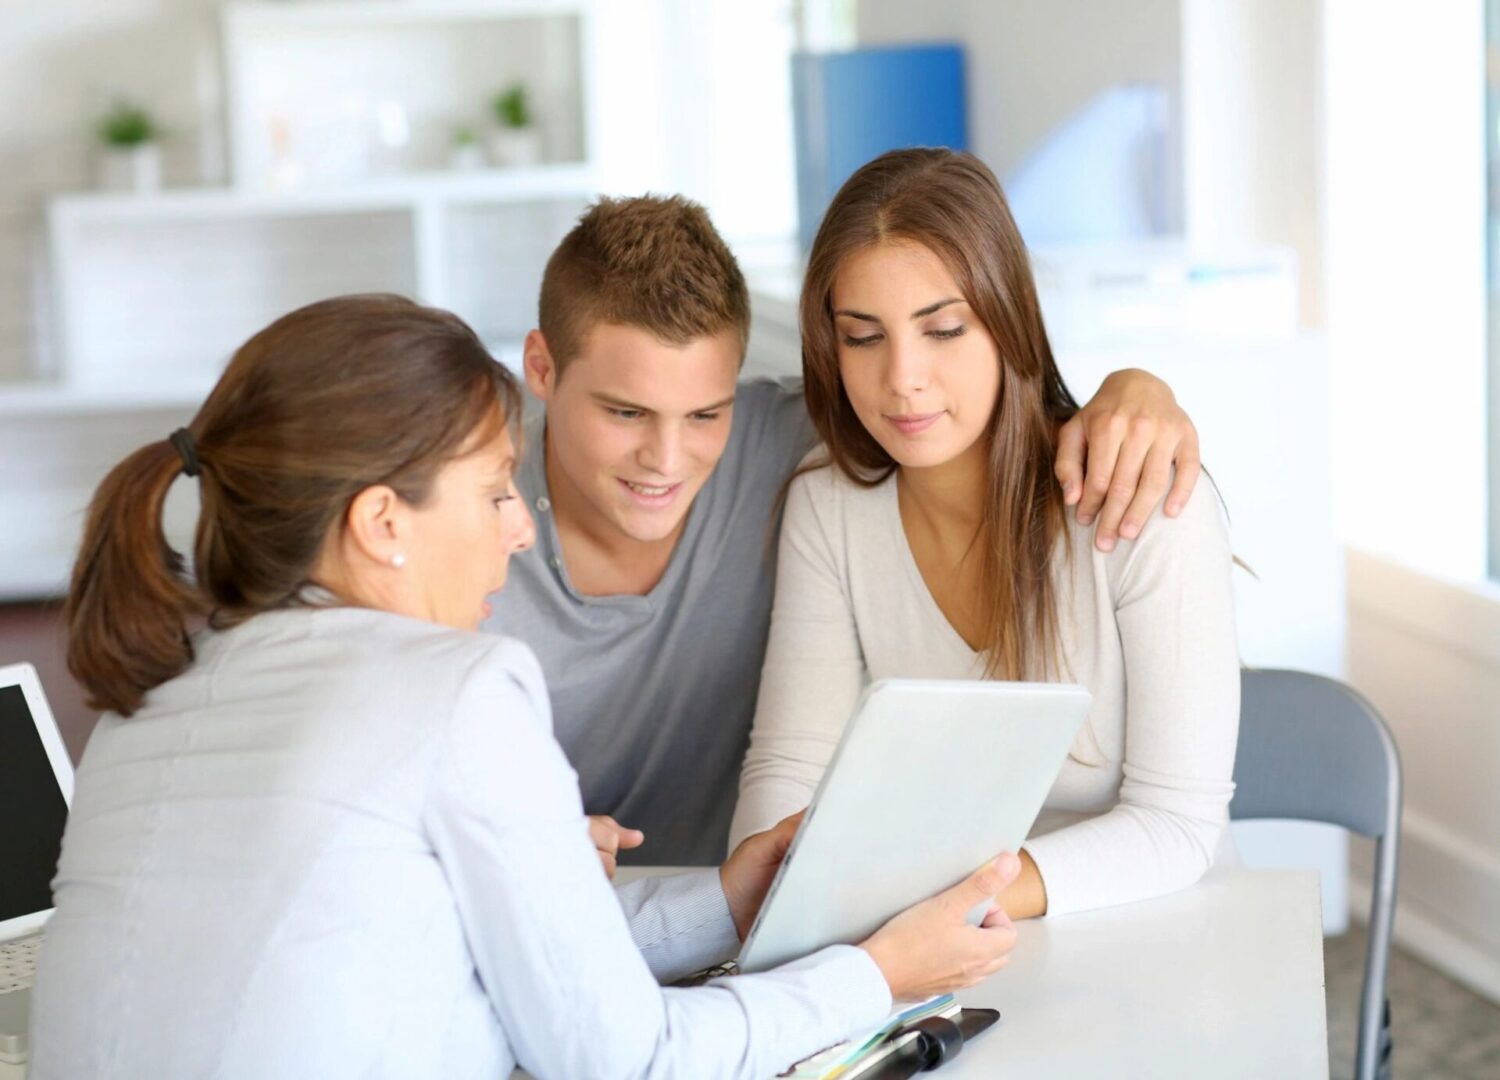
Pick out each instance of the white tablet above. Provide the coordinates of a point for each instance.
(930, 779)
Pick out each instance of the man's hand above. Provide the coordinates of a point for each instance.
(1131, 433)
(747, 874)
(610, 838)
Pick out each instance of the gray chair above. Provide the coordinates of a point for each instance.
(1312, 749)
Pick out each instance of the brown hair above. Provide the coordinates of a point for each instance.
(653, 262)
(950, 203)
(321, 404)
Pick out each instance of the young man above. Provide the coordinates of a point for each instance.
(648, 593)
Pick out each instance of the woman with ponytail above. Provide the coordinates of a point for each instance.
(927, 538)
(323, 828)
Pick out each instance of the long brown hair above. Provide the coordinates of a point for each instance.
(321, 404)
(950, 203)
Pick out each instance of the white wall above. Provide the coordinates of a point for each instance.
(1405, 219)
(1251, 109)
(1404, 144)
(1032, 63)
(699, 102)
(1426, 651)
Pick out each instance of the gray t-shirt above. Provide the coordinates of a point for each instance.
(653, 696)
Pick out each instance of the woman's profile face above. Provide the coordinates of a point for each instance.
(464, 533)
(919, 368)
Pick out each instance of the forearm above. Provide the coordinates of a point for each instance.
(814, 667)
(773, 784)
(1131, 853)
(1026, 897)
(681, 922)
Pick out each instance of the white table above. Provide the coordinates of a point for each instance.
(1222, 980)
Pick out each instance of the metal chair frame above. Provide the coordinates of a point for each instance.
(1313, 749)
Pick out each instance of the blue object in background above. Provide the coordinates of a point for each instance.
(852, 106)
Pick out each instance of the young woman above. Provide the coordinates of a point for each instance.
(324, 829)
(929, 539)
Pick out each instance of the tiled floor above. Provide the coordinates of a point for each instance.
(1440, 1030)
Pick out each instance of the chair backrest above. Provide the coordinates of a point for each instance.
(1310, 748)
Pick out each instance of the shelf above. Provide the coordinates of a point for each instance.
(34, 578)
(338, 90)
(39, 400)
(268, 17)
(541, 183)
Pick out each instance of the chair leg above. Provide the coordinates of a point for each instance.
(1383, 1067)
(1373, 1055)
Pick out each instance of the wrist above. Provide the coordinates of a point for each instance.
(883, 962)
(735, 905)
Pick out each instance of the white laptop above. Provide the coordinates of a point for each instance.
(930, 780)
(36, 788)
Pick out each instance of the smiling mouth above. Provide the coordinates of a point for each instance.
(648, 489)
(651, 494)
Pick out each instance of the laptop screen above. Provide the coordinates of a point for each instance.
(32, 811)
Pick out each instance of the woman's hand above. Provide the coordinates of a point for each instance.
(747, 874)
(1132, 432)
(930, 948)
(610, 838)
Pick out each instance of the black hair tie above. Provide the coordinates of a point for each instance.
(182, 442)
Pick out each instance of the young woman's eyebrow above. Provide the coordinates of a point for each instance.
(919, 313)
(936, 306)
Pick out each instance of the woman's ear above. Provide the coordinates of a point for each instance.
(378, 526)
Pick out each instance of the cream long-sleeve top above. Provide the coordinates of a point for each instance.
(1141, 804)
(345, 843)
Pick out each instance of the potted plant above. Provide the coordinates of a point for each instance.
(465, 154)
(130, 159)
(517, 141)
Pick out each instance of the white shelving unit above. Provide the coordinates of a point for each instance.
(224, 262)
(152, 293)
(393, 78)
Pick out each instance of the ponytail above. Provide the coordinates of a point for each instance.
(130, 598)
(323, 403)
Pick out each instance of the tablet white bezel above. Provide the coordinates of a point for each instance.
(938, 745)
(25, 676)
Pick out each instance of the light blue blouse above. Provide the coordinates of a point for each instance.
(345, 843)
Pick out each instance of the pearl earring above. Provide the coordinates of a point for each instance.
(398, 560)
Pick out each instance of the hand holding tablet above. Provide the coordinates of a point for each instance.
(931, 779)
